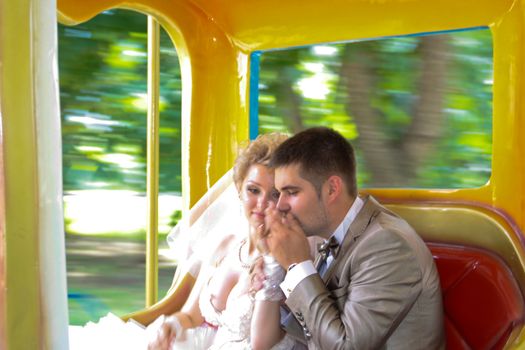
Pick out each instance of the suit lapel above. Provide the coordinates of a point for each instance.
(370, 210)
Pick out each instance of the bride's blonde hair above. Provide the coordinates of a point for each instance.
(258, 151)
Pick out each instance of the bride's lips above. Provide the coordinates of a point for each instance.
(258, 215)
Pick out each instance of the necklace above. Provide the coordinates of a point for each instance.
(244, 265)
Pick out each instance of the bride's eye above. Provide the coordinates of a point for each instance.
(253, 190)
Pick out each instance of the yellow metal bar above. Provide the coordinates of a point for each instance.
(153, 163)
(20, 278)
(3, 292)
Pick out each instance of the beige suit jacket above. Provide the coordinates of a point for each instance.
(381, 291)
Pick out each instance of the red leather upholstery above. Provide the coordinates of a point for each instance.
(482, 300)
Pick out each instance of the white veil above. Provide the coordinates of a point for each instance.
(217, 214)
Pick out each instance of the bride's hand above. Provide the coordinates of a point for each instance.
(261, 233)
(273, 275)
(257, 276)
(166, 334)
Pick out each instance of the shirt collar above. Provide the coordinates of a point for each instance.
(342, 229)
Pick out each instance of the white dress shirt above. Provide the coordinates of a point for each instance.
(306, 268)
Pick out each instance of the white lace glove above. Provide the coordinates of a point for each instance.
(274, 273)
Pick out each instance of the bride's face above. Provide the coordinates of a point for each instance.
(257, 191)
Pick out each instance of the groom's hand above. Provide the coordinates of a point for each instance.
(284, 238)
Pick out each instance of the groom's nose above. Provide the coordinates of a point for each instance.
(282, 204)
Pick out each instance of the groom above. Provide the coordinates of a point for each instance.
(374, 284)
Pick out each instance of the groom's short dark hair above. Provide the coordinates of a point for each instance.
(320, 153)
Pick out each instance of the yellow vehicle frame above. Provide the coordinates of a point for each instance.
(215, 41)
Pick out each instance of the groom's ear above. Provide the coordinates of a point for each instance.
(335, 187)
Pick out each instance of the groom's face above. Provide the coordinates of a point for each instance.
(299, 198)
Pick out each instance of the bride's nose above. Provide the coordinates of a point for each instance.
(262, 202)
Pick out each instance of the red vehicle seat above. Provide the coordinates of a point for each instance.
(481, 298)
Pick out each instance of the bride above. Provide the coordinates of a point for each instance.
(222, 312)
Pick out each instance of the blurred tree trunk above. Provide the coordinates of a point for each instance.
(396, 163)
(380, 156)
(428, 117)
(287, 100)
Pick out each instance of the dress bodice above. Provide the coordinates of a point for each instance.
(234, 325)
(234, 322)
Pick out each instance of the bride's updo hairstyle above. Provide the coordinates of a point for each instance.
(258, 151)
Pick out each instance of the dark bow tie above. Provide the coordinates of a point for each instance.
(330, 246)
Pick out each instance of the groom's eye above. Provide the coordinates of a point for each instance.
(275, 195)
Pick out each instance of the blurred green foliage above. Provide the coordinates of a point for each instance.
(102, 67)
(381, 94)
(418, 109)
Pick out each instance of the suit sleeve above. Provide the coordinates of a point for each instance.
(383, 280)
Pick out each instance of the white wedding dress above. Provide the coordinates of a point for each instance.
(227, 329)
(234, 322)
(223, 330)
